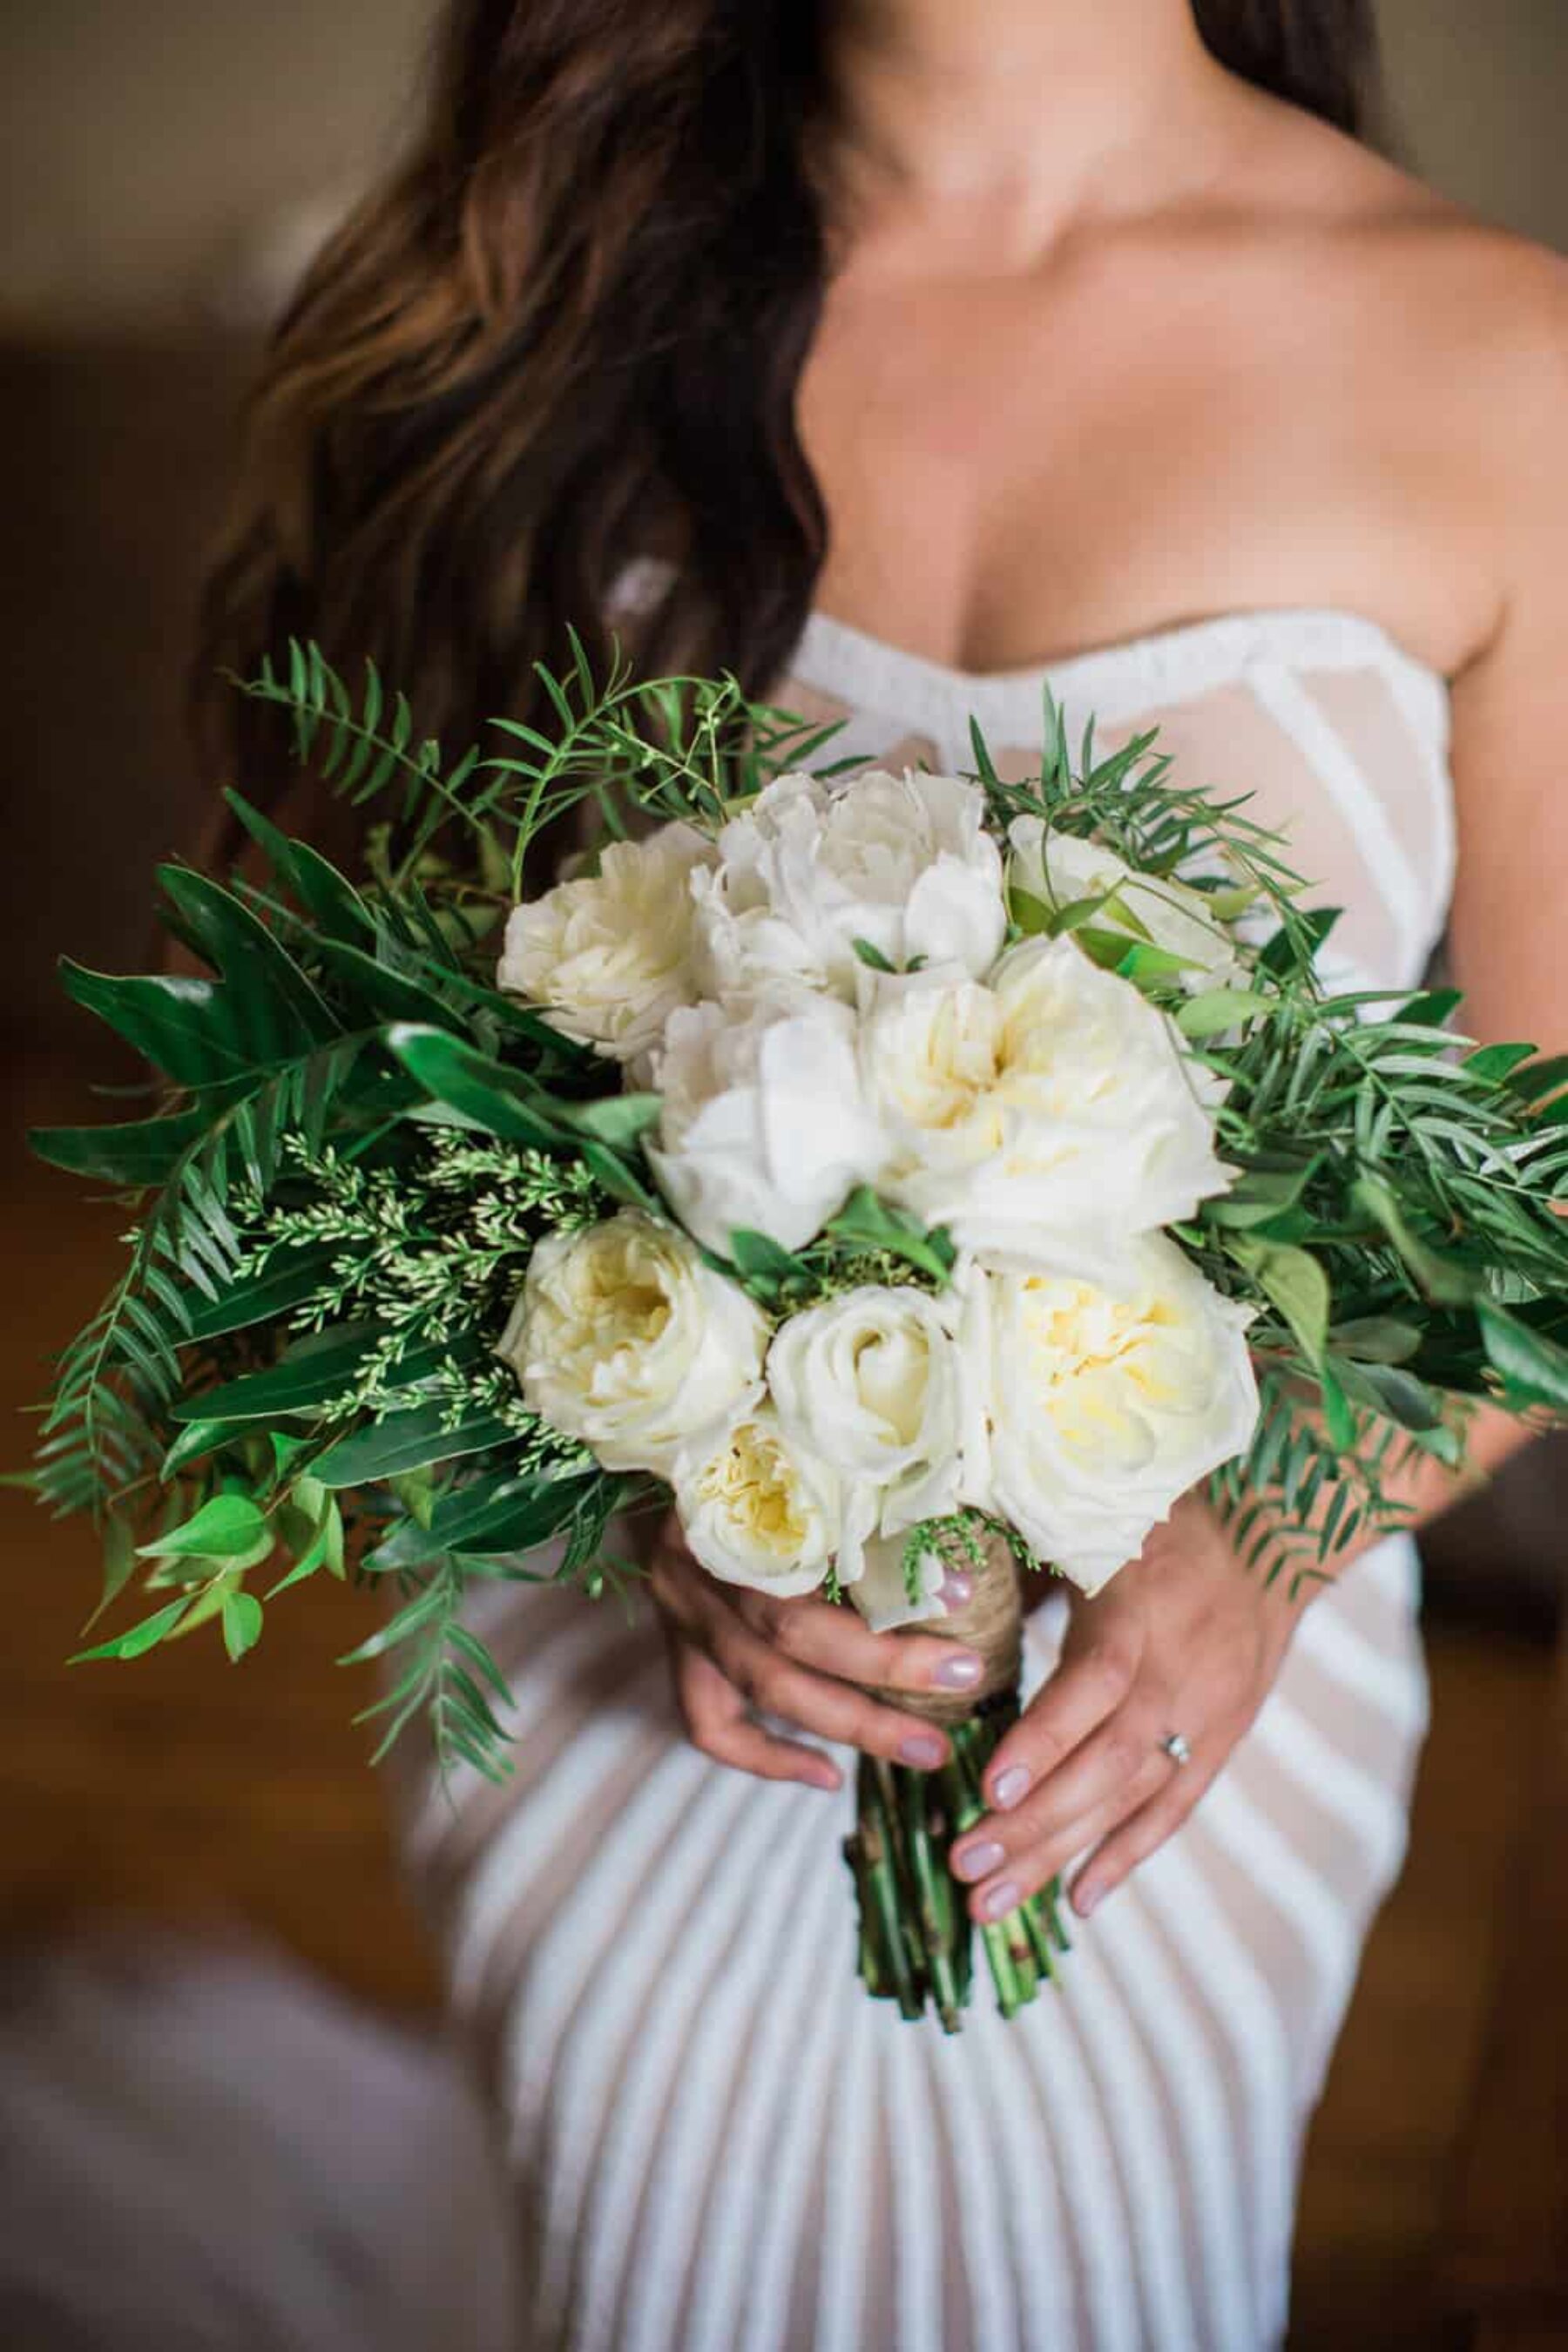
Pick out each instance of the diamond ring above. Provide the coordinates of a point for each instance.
(1175, 1747)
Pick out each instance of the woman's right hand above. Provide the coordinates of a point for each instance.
(732, 1650)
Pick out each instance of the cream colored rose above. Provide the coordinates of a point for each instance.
(903, 863)
(762, 1124)
(608, 956)
(757, 1509)
(624, 1338)
(1107, 1400)
(1049, 1114)
(870, 1383)
(1057, 869)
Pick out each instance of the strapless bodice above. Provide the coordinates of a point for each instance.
(1338, 734)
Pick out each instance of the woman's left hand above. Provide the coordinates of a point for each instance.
(1186, 1638)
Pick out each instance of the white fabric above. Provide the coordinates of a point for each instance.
(717, 2139)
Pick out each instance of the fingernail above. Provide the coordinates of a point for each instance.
(1004, 1898)
(961, 1672)
(922, 1747)
(1084, 1899)
(957, 1589)
(1008, 1787)
(979, 1861)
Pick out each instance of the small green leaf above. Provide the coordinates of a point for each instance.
(241, 1623)
(1215, 1010)
(1376, 1339)
(1441, 1278)
(288, 1280)
(198, 1437)
(616, 1120)
(1295, 1284)
(224, 1528)
(403, 1442)
(1533, 1367)
(757, 1257)
(1144, 965)
(141, 1151)
(309, 1374)
(870, 953)
(867, 1222)
(140, 1638)
(488, 1094)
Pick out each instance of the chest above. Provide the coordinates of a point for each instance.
(1020, 466)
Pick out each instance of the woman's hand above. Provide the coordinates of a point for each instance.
(732, 1650)
(1184, 1639)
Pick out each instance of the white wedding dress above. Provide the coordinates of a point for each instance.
(718, 2142)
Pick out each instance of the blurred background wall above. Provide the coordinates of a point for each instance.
(165, 165)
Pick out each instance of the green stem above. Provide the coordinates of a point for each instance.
(917, 1941)
(938, 1908)
(879, 1853)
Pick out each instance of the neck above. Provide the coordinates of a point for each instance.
(1031, 112)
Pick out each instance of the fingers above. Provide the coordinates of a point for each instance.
(821, 1635)
(1139, 1836)
(1122, 1754)
(717, 1723)
(832, 1640)
(1081, 1694)
(762, 1669)
(1003, 1859)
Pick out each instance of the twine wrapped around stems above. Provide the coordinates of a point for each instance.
(991, 1623)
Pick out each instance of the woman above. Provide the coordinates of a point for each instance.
(912, 343)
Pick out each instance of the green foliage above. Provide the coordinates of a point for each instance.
(361, 1141)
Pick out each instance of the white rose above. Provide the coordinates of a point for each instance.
(756, 1508)
(1057, 869)
(1049, 1114)
(763, 1123)
(903, 862)
(608, 956)
(871, 1384)
(623, 1338)
(1107, 1400)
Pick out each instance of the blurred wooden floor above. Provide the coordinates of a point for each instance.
(183, 1785)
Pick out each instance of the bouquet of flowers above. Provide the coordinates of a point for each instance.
(893, 1172)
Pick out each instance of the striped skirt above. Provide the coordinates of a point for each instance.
(719, 2143)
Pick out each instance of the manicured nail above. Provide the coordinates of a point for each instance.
(979, 1861)
(922, 1748)
(1004, 1898)
(1008, 1787)
(1084, 1897)
(957, 1589)
(961, 1672)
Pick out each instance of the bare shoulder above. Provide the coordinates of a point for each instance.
(1485, 307)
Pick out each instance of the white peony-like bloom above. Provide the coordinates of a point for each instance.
(1107, 1400)
(756, 1508)
(902, 862)
(870, 1383)
(763, 1123)
(608, 956)
(623, 1338)
(1049, 1114)
(1057, 869)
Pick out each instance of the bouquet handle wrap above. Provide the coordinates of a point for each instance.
(991, 1623)
(916, 1938)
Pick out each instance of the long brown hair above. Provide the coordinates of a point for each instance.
(571, 328)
